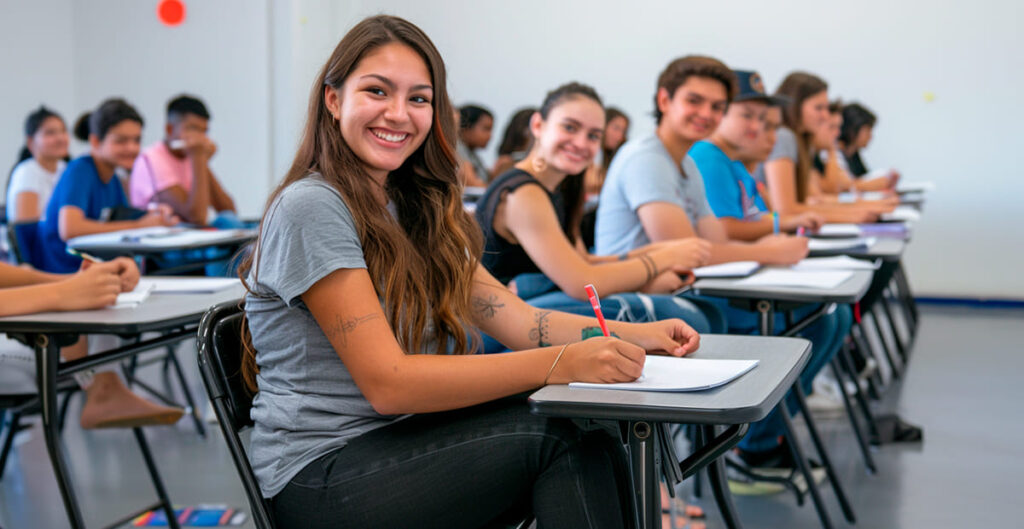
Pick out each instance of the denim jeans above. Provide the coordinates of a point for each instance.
(482, 466)
(826, 335)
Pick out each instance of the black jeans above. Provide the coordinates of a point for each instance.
(475, 467)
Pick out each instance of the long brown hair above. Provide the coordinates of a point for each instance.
(796, 88)
(607, 154)
(422, 263)
(571, 187)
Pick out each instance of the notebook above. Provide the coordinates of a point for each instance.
(733, 269)
(128, 300)
(909, 187)
(669, 373)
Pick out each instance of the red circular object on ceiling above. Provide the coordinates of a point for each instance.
(171, 12)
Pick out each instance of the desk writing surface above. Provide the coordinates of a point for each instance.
(749, 398)
(849, 291)
(159, 311)
(110, 247)
(885, 248)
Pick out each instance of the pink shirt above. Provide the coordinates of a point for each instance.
(155, 170)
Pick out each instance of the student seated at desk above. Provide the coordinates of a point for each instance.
(362, 304)
(655, 193)
(475, 123)
(90, 192)
(731, 191)
(788, 174)
(176, 171)
(616, 132)
(830, 165)
(531, 215)
(108, 403)
(855, 135)
(515, 142)
(41, 161)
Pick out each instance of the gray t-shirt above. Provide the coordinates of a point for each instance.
(307, 403)
(642, 172)
(785, 148)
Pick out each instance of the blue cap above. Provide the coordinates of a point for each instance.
(750, 87)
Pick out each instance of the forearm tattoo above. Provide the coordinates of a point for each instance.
(539, 334)
(487, 308)
(339, 331)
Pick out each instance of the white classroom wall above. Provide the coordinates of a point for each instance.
(254, 63)
(73, 54)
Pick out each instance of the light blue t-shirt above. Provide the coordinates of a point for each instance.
(730, 189)
(643, 172)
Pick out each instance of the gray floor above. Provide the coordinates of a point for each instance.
(963, 387)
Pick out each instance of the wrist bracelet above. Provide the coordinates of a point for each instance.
(555, 363)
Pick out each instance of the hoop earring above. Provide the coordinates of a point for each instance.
(539, 164)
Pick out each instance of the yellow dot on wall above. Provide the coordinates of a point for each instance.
(302, 20)
(929, 96)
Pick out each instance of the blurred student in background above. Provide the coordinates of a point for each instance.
(41, 161)
(475, 124)
(176, 170)
(515, 142)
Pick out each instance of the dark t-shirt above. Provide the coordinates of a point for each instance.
(503, 258)
(857, 168)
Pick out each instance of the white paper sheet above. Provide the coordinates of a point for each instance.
(904, 213)
(188, 285)
(839, 230)
(906, 187)
(839, 262)
(668, 373)
(733, 269)
(122, 235)
(188, 237)
(774, 277)
(841, 244)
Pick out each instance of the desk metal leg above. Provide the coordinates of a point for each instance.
(154, 475)
(642, 443)
(47, 359)
(719, 487)
(802, 465)
(766, 317)
(823, 454)
(862, 442)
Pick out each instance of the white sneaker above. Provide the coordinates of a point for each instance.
(826, 406)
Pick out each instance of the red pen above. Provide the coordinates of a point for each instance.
(595, 303)
(800, 231)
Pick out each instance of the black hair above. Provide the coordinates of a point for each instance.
(517, 132)
(184, 104)
(855, 117)
(33, 123)
(469, 115)
(572, 186)
(108, 115)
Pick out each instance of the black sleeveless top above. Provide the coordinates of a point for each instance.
(502, 258)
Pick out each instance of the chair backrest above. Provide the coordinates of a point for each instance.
(26, 243)
(220, 363)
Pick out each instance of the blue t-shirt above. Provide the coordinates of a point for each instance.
(642, 172)
(730, 189)
(79, 186)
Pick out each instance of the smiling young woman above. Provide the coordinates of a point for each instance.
(365, 292)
